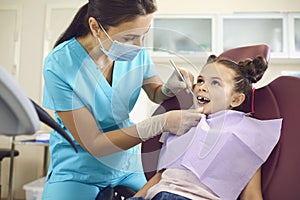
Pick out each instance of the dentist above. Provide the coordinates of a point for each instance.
(93, 78)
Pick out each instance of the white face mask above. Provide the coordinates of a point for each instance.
(119, 51)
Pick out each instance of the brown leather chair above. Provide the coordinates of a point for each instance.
(280, 173)
(242, 53)
(278, 99)
(151, 148)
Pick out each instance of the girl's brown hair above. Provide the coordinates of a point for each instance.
(247, 72)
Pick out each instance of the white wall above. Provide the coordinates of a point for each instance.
(221, 6)
(28, 165)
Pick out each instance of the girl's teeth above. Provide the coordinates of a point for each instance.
(203, 100)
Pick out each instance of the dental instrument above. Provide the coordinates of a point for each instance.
(182, 78)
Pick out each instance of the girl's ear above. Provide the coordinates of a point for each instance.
(237, 99)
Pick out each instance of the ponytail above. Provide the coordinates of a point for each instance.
(254, 69)
(78, 26)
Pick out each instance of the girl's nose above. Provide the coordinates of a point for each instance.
(203, 87)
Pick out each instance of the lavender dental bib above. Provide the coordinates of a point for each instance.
(223, 151)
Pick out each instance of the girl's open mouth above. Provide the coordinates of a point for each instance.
(203, 100)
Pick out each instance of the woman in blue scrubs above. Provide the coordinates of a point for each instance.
(93, 78)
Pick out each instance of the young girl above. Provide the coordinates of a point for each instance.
(222, 156)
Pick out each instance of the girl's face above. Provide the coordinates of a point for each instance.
(215, 89)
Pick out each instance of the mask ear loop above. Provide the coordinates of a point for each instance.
(102, 47)
(252, 101)
(102, 28)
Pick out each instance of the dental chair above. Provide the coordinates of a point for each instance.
(20, 116)
(151, 148)
(278, 99)
(280, 173)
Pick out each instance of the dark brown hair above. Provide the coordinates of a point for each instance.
(247, 72)
(108, 13)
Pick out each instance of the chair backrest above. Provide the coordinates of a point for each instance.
(151, 148)
(242, 53)
(280, 173)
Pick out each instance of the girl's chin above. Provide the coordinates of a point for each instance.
(201, 107)
(197, 106)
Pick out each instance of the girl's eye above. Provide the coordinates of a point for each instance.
(200, 81)
(216, 83)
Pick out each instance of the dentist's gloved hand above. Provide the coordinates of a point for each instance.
(175, 84)
(177, 122)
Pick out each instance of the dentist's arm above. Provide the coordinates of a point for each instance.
(84, 129)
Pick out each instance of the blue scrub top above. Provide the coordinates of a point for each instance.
(72, 81)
